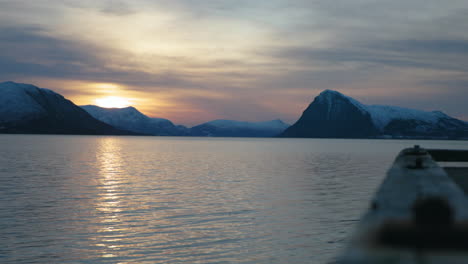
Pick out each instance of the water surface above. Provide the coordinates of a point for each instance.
(91, 199)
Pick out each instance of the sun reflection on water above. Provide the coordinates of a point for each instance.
(141, 209)
(109, 205)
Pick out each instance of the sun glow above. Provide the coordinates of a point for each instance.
(112, 102)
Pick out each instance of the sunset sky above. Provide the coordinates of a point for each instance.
(194, 61)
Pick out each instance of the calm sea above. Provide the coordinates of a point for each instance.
(90, 199)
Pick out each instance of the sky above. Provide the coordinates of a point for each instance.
(194, 61)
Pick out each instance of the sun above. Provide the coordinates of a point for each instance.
(112, 102)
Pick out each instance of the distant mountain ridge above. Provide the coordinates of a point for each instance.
(25, 108)
(129, 118)
(335, 115)
(232, 128)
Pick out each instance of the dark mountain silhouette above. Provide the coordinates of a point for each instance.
(25, 108)
(334, 115)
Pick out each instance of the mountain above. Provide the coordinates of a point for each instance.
(131, 119)
(334, 115)
(232, 128)
(25, 108)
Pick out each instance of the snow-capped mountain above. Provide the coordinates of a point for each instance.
(335, 115)
(232, 128)
(131, 119)
(25, 108)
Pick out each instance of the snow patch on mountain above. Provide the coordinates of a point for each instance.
(329, 97)
(129, 118)
(116, 115)
(381, 115)
(18, 102)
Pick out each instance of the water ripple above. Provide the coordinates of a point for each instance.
(83, 199)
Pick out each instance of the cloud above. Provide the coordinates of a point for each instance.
(417, 53)
(31, 51)
(458, 46)
(117, 7)
(250, 54)
(460, 84)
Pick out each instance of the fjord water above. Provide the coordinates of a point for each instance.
(91, 199)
